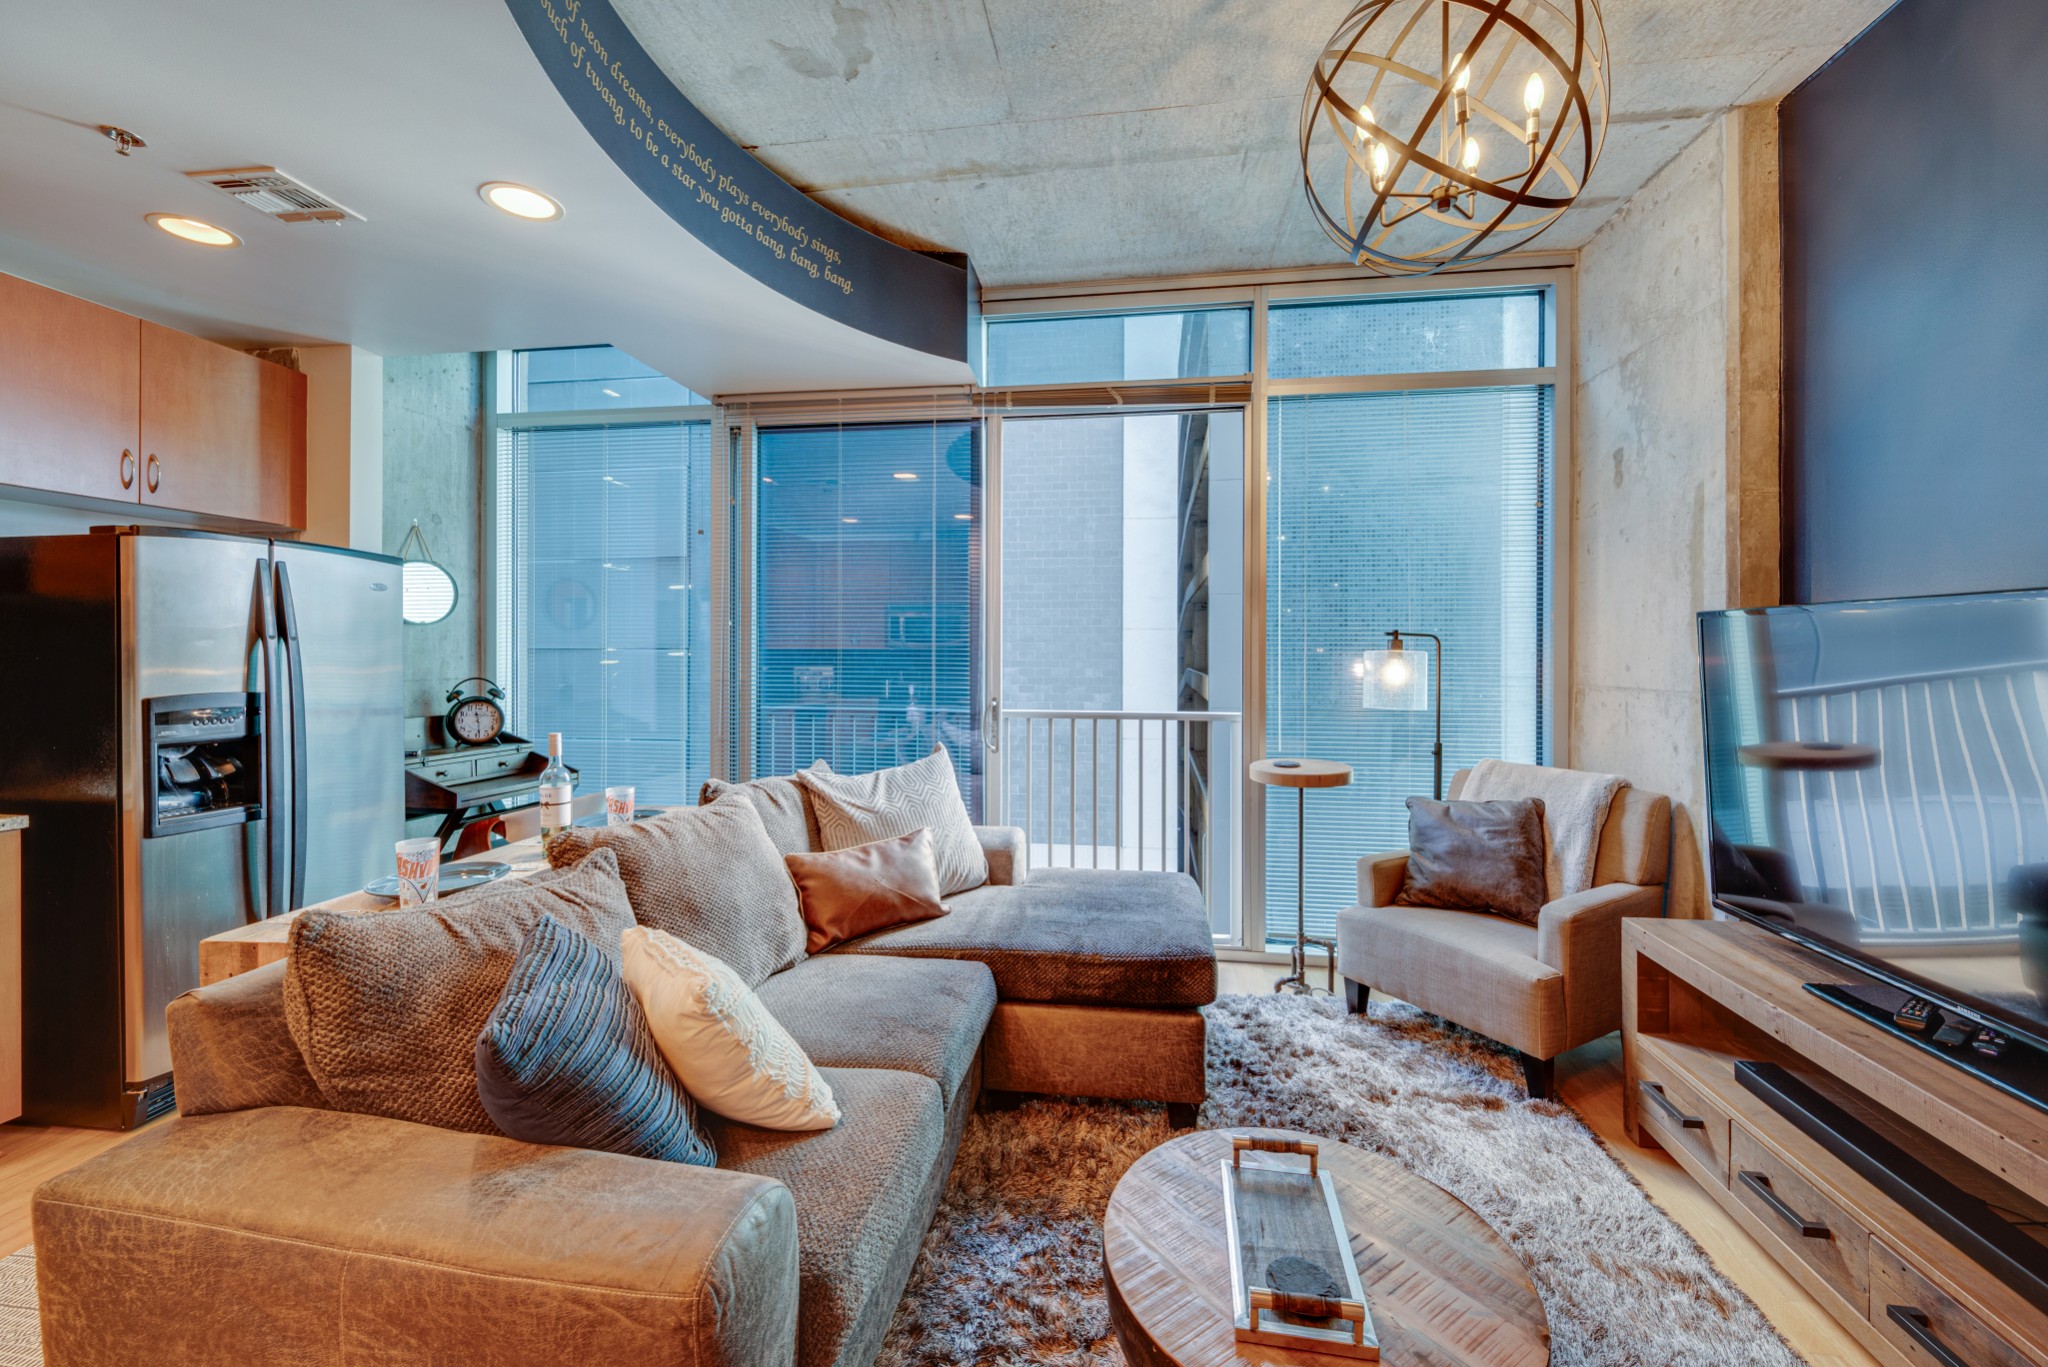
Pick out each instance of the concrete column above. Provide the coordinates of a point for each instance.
(1756, 341)
(344, 446)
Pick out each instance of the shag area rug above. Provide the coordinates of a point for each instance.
(1011, 1271)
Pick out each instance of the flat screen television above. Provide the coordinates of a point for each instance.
(1877, 777)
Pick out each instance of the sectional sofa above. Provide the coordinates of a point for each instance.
(261, 1225)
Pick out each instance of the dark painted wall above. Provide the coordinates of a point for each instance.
(1916, 307)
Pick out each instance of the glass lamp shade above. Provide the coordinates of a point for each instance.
(1394, 680)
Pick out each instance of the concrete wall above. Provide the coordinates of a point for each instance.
(433, 472)
(1672, 497)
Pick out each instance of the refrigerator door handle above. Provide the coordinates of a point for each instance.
(275, 902)
(288, 628)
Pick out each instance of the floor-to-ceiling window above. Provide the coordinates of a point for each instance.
(1391, 506)
(603, 585)
(867, 597)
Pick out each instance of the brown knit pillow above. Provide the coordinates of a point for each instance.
(1475, 856)
(709, 876)
(387, 1006)
(845, 894)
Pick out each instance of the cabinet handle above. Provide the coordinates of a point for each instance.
(127, 469)
(1921, 1330)
(1760, 1183)
(152, 468)
(1663, 1103)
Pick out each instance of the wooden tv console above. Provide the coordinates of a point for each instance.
(1701, 996)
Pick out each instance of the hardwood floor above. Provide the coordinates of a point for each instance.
(31, 1154)
(1589, 1080)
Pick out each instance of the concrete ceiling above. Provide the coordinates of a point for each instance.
(398, 109)
(1059, 140)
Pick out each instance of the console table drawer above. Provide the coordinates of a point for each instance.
(1683, 1118)
(1925, 1324)
(450, 770)
(1819, 1233)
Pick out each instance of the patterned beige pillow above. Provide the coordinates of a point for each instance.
(709, 875)
(729, 1053)
(859, 810)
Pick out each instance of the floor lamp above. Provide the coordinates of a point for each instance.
(1398, 680)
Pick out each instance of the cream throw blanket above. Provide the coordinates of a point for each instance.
(1575, 807)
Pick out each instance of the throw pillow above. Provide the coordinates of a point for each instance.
(844, 894)
(709, 875)
(566, 1058)
(891, 802)
(1475, 856)
(729, 1053)
(784, 806)
(386, 1006)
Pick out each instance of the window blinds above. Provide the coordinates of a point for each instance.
(604, 600)
(1422, 511)
(867, 629)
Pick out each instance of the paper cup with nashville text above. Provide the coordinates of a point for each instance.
(618, 806)
(419, 870)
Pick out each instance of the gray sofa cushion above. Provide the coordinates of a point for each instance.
(783, 805)
(923, 1016)
(859, 1190)
(386, 1006)
(1085, 937)
(709, 876)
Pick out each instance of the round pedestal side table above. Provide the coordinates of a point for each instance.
(1302, 775)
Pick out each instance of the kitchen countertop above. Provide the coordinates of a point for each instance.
(13, 823)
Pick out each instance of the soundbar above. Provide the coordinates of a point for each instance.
(1965, 1220)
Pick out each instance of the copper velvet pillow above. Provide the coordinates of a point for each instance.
(844, 894)
(1475, 856)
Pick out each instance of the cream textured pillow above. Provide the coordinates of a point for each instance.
(859, 810)
(729, 1053)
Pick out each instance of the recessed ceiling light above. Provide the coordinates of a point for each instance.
(519, 200)
(194, 230)
(906, 474)
(963, 517)
(849, 519)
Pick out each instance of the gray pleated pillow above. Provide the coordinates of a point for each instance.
(386, 1006)
(706, 875)
(567, 1058)
(861, 809)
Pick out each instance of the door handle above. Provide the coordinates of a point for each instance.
(127, 469)
(295, 667)
(992, 725)
(1664, 1104)
(152, 468)
(1921, 1330)
(1760, 1183)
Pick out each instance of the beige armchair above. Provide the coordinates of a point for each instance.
(1538, 989)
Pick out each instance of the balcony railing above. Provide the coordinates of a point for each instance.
(1124, 790)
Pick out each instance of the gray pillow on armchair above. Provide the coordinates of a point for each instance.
(1476, 856)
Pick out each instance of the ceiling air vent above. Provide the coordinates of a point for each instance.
(270, 191)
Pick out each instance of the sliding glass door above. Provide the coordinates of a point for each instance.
(867, 597)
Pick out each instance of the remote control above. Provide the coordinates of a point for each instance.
(1988, 1042)
(1914, 1015)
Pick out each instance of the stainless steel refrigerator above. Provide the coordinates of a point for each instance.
(205, 730)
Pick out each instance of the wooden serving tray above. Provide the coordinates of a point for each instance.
(1293, 1281)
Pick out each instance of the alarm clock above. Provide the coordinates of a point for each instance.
(474, 718)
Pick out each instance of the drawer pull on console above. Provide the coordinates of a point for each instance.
(1664, 1104)
(1760, 1183)
(1919, 1329)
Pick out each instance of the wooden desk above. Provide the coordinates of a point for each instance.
(238, 951)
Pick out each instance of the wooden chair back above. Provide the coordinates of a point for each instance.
(521, 823)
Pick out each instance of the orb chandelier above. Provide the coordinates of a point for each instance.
(1446, 132)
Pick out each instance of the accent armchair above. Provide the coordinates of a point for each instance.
(1538, 989)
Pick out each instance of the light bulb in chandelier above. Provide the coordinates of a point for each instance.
(1462, 74)
(1380, 162)
(1471, 154)
(1363, 123)
(1532, 94)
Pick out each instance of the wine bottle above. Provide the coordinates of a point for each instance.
(557, 790)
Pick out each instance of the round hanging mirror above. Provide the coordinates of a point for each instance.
(429, 591)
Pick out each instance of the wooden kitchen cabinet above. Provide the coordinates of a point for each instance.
(222, 432)
(69, 386)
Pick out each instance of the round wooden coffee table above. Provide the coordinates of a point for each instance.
(1444, 1290)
